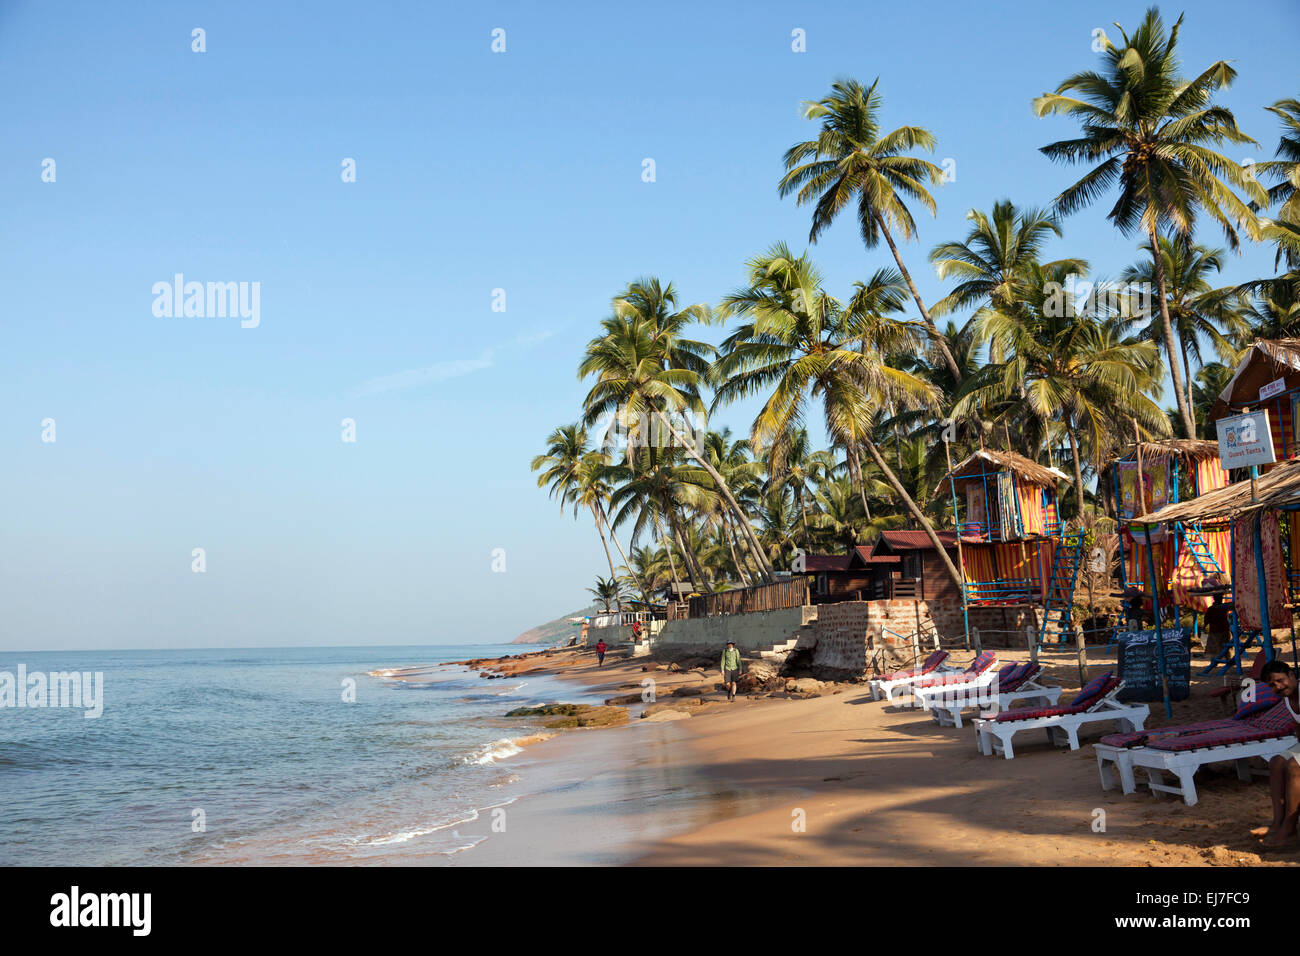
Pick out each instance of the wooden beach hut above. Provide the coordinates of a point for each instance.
(1256, 516)
(1011, 546)
(1185, 555)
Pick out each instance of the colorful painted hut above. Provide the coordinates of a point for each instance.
(1012, 550)
(1268, 378)
(1185, 554)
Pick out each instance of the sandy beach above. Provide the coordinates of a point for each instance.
(837, 779)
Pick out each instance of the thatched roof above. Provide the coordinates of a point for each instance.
(1186, 448)
(1267, 360)
(1022, 467)
(1278, 488)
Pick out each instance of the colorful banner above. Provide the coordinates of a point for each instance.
(1245, 576)
(1155, 487)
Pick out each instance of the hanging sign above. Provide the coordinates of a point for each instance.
(1272, 388)
(1245, 440)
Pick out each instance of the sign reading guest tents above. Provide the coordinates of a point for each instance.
(1245, 440)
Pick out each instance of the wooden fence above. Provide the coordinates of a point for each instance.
(765, 597)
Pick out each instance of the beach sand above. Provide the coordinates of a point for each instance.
(841, 780)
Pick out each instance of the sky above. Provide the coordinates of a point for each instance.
(475, 171)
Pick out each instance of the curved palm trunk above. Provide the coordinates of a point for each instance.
(756, 549)
(731, 546)
(626, 563)
(1187, 374)
(919, 515)
(692, 567)
(1167, 331)
(939, 340)
(1078, 466)
(855, 475)
(605, 544)
(668, 549)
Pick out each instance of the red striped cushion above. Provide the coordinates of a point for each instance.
(1031, 713)
(1214, 738)
(1277, 717)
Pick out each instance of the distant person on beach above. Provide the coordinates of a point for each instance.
(1133, 608)
(1216, 626)
(1284, 770)
(730, 669)
(601, 648)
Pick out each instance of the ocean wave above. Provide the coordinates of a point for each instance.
(405, 836)
(490, 753)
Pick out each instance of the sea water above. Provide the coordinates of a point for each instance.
(293, 755)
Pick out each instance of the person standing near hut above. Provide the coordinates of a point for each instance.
(730, 669)
(601, 648)
(1216, 626)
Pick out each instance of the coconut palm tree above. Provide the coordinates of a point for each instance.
(575, 476)
(1065, 366)
(1286, 168)
(990, 264)
(1152, 132)
(607, 591)
(796, 343)
(852, 160)
(1195, 307)
(648, 372)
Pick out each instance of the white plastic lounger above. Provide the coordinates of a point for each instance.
(1094, 703)
(1183, 764)
(886, 686)
(1026, 689)
(960, 691)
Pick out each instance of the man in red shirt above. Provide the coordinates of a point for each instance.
(601, 648)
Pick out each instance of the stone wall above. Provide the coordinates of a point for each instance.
(754, 632)
(841, 639)
(1003, 627)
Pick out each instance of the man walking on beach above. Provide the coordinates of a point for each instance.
(1284, 770)
(601, 648)
(730, 669)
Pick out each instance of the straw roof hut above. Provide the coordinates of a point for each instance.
(1187, 448)
(977, 465)
(1266, 360)
(1278, 488)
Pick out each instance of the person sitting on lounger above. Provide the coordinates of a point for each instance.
(1284, 770)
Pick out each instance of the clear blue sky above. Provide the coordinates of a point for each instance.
(475, 171)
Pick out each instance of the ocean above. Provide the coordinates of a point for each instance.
(254, 756)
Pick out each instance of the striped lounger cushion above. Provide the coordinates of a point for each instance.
(1265, 699)
(1138, 737)
(1017, 677)
(931, 662)
(1092, 692)
(1217, 738)
(977, 667)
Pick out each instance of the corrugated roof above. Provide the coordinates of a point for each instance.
(917, 540)
(826, 562)
(866, 554)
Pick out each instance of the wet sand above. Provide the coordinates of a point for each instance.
(841, 780)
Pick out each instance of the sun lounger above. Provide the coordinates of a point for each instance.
(971, 685)
(1095, 702)
(886, 684)
(1262, 728)
(1016, 683)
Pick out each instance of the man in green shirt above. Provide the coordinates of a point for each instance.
(731, 669)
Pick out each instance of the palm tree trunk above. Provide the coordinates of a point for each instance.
(1167, 330)
(855, 475)
(731, 545)
(756, 549)
(939, 340)
(626, 563)
(1078, 467)
(1187, 374)
(668, 549)
(874, 452)
(691, 570)
(605, 544)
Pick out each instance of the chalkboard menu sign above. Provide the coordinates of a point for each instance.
(1139, 664)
